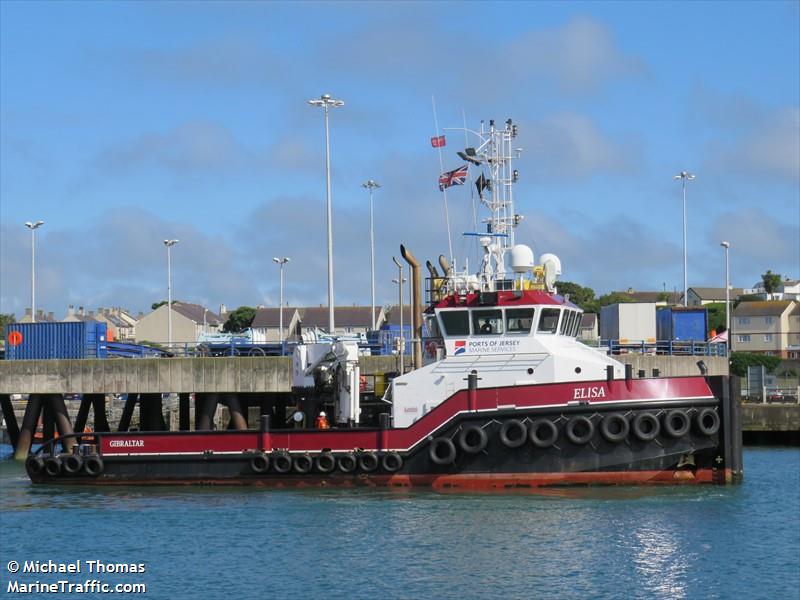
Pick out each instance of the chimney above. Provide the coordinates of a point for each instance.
(51, 316)
(80, 311)
(70, 311)
(101, 310)
(139, 315)
(91, 313)
(28, 312)
(223, 310)
(39, 313)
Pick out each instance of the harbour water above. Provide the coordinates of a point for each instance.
(678, 542)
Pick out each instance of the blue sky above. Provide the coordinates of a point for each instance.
(122, 124)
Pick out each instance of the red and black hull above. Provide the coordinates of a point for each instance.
(648, 431)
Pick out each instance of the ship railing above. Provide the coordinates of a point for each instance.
(664, 347)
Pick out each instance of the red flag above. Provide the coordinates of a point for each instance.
(437, 142)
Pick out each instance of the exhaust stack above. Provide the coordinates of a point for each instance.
(416, 304)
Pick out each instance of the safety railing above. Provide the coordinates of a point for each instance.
(664, 347)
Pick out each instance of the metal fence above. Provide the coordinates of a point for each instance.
(664, 347)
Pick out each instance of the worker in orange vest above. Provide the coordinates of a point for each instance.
(322, 421)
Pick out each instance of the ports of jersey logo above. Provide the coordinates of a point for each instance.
(461, 346)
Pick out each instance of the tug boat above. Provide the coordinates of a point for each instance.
(502, 396)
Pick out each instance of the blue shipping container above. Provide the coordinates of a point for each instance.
(682, 324)
(56, 340)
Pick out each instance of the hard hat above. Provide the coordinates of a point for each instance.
(322, 413)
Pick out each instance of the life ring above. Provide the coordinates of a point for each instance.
(368, 461)
(93, 465)
(392, 462)
(676, 423)
(73, 463)
(347, 463)
(614, 427)
(302, 463)
(472, 439)
(707, 421)
(259, 463)
(646, 426)
(519, 433)
(542, 439)
(52, 465)
(14, 338)
(282, 462)
(34, 464)
(574, 425)
(325, 463)
(442, 451)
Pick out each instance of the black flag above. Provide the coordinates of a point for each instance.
(482, 184)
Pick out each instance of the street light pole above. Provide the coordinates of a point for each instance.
(684, 176)
(281, 261)
(33, 227)
(169, 244)
(371, 185)
(727, 246)
(399, 281)
(326, 102)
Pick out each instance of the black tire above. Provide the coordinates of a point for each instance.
(73, 463)
(52, 466)
(472, 439)
(442, 451)
(35, 465)
(543, 433)
(646, 426)
(579, 430)
(392, 462)
(282, 462)
(302, 463)
(347, 463)
(93, 465)
(707, 421)
(368, 461)
(615, 427)
(676, 423)
(518, 431)
(259, 463)
(325, 463)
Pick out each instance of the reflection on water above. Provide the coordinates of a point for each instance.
(647, 542)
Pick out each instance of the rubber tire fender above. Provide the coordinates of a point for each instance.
(539, 441)
(576, 421)
(392, 462)
(302, 463)
(259, 463)
(513, 442)
(347, 463)
(608, 421)
(669, 426)
(466, 433)
(433, 451)
(638, 426)
(368, 461)
(282, 462)
(700, 421)
(73, 463)
(325, 462)
(52, 466)
(93, 465)
(34, 465)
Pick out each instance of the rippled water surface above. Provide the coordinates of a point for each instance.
(241, 543)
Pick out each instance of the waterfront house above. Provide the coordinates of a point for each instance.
(700, 296)
(588, 329)
(41, 317)
(266, 324)
(767, 327)
(658, 298)
(188, 322)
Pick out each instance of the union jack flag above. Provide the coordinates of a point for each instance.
(449, 178)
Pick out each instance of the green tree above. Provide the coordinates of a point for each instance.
(155, 305)
(716, 316)
(741, 360)
(582, 296)
(614, 298)
(6, 319)
(771, 281)
(239, 319)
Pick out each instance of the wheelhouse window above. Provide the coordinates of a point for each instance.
(548, 320)
(566, 322)
(455, 322)
(519, 320)
(487, 322)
